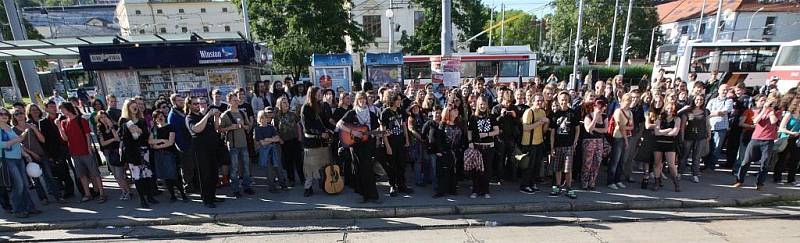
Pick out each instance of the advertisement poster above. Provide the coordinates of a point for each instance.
(332, 77)
(451, 74)
(225, 79)
(380, 75)
(122, 84)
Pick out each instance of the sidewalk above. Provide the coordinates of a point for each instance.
(713, 191)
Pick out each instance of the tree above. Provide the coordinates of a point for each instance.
(599, 15)
(521, 31)
(295, 29)
(469, 16)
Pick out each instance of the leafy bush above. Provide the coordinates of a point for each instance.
(632, 73)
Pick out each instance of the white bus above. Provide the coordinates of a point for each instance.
(787, 66)
(748, 62)
(508, 62)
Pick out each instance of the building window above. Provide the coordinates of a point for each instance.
(419, 17)
(702, 28)
(203, 10)
(184, 29)
(180, 10)
(159, 11)
(162, 30)
(372, 25)
(141, 32)
(224, 10)
(684, 30)
(227, 28)
(138, 12)
(769, 26)
(205, 28)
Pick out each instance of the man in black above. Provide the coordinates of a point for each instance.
(397, 143)
(507, 117)
(55, 148)
(203, 126)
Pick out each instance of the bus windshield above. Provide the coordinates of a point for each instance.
(790, 56)
(733, 59)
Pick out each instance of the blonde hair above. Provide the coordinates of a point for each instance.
(126, 110)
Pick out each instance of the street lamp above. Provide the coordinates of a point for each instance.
(751, 21)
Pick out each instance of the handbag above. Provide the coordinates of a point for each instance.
(780, 144)
(473, 160)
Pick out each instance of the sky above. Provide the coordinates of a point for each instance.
(535, 6)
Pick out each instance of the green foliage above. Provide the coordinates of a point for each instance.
(470, 16)
(521, 31)
(598, 18)
(295, 29)
(632, 73)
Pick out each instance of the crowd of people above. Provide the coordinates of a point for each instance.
(480, 131)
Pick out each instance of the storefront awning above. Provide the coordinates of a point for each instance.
(67, 48)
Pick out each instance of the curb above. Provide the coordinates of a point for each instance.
(400, 212)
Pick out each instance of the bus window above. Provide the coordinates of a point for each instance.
(790, 56)
(509, 69)
(467, 69)
(765, 58)
(487, 68)
(524, 67)
(412, 69)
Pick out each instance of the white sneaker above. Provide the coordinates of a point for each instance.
(487, 196)
(797, 184)
(621, 186)
(695, 179)
(473, 195)
(613, 187)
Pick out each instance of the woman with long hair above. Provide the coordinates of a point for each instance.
(623, 120)
(695, 136)
(665, 147)
(135, 151)
(21, 203)
(109, 144)
(316, 138)
(790, 128)
(31, 145)
(645, 153)
(363, 153)
(594, 123)
(289, 130)
(162, 143)
(482, 131)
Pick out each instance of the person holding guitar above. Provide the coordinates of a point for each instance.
(316, 139)
(360, 127)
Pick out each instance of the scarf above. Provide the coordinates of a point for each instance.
(363, 115)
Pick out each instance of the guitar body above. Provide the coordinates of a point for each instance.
(349, 139)
(332, 181)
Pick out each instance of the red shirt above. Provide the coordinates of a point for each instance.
(76, 139)
(765, 130)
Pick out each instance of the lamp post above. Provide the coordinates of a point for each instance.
(751, 22)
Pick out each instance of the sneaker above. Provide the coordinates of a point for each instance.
(473, 195)
(737, 185)
(621, 186)
(797, 184)
(695, 179)
(527, 190)
(487, 196)
(571, 194)
(613, 187)
(555, 191)
(124, 197)
(535, 188)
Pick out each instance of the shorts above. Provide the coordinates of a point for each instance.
(86, 166)
(119, 172)
(561, 160)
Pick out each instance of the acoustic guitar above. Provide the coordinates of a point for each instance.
(348, 138)
(332, 181)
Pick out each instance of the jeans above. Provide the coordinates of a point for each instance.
(617, 160)
(20, 195)
(270, 158)
(715, 148)
(744, 140)
(764, 148)
(240, 156)
(631, 150)
(691, 149)
(421, 161)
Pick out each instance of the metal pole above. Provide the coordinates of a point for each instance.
(447, 34)
(652, 41)
(503, 24)
(751, 22)
(596, 44)
(716, 22)
(577, 45)
(700, 22)
(613, 35)
(491, 20)
(246, 20)
(391, 28)
(28, 68)
(625, 39)
(541, 32)
(12, 75)
(569, 44)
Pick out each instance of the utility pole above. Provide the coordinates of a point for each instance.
(569, 44)
(390, 14)
(596, 44)
(652, 42)
(577, 46)
(447, 34)
(700, 22)
(541, 32)
(613, 35)
(491, 20)
(503, 24)
(246, 20)
(625, 39)
(28, 68)
(717, 21)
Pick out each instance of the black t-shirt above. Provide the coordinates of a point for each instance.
(246, 108)
(508, 123)
(481, 124)
(107, 134)
(563, 123)
(339, 113)
(163, 133)
(208, 137)
(393, 121)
